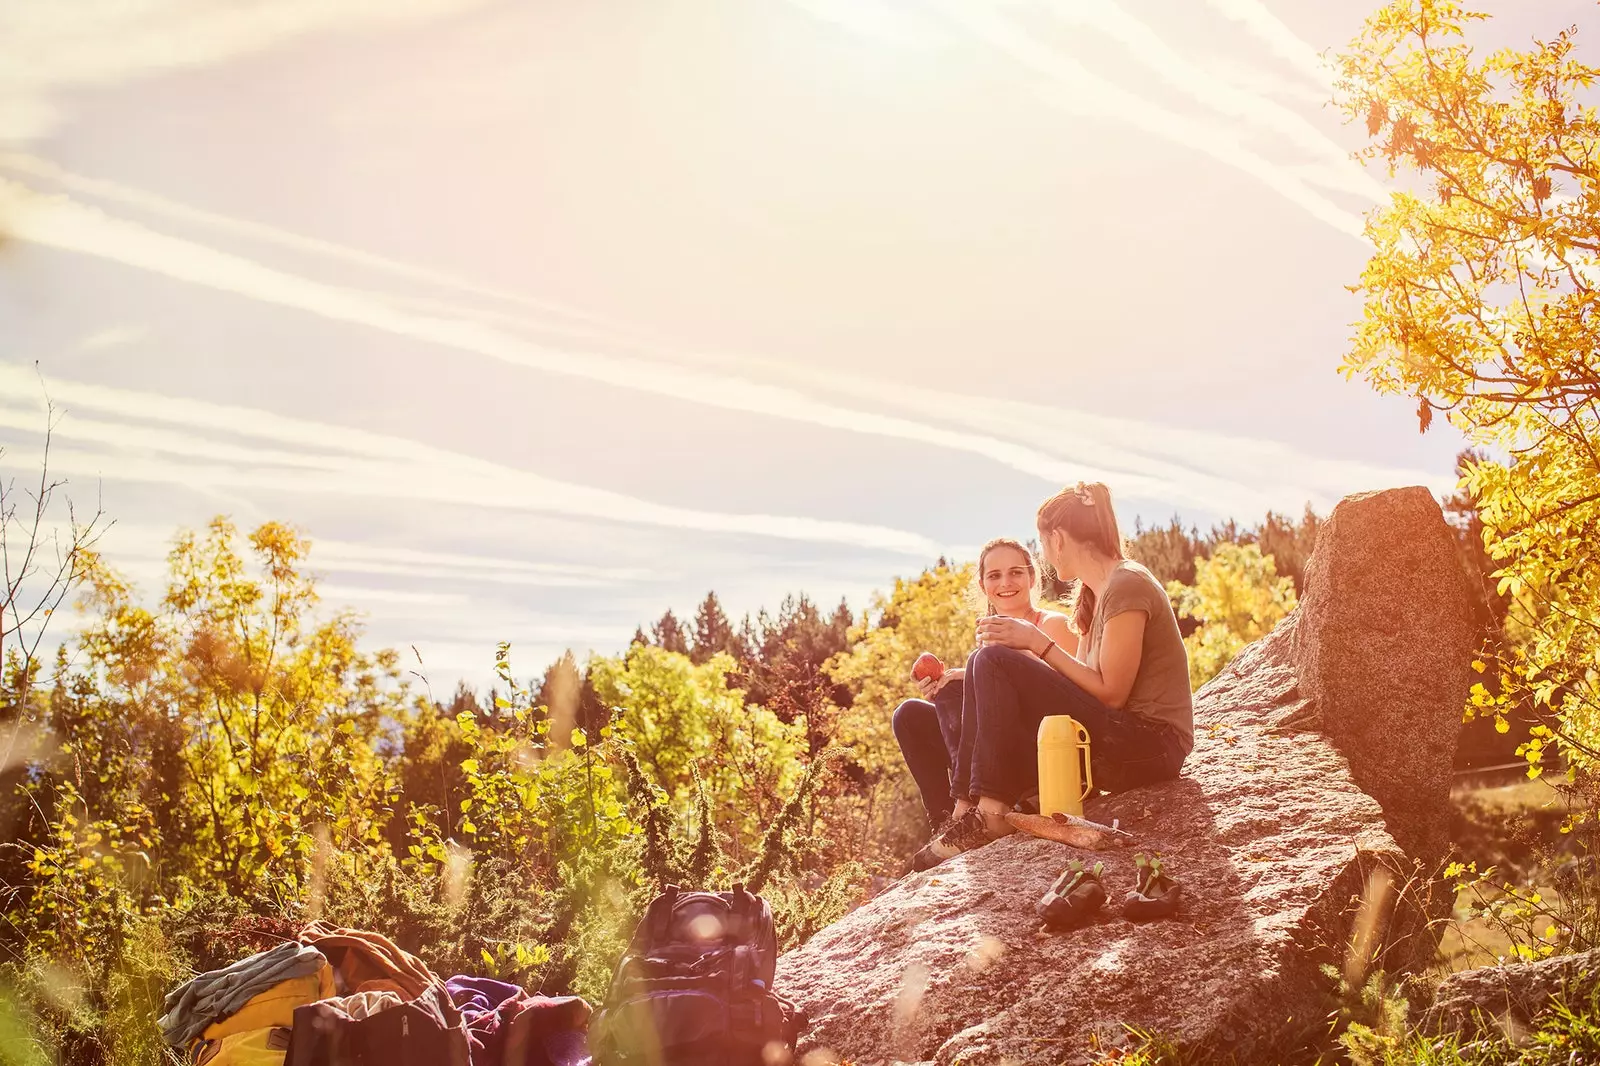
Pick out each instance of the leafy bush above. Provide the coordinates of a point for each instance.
(219, 770)
(1237, 597)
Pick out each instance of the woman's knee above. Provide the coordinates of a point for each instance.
(994, 656)
(913, 715)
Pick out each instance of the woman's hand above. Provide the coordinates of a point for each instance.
(931, 686)
(1011, 633)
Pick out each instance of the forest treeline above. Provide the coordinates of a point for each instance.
(197, 771)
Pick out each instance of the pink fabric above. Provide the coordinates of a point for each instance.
(508, 1027)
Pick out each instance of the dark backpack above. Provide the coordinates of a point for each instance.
(695, 988)
(422, 1032)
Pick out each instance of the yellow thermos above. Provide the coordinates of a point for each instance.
(1064, 777)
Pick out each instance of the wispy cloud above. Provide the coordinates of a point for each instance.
(1283, 42)
(898, 25)
(117, 193)
(1264, 82)
(1070, 85)
(113, 337)
(61, 223)
(141, 436)
(349, 557)
(1201, 470)
(52, 48)
(1191, 78)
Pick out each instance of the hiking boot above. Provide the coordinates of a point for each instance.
(1076, 895)
(962, 834)
(925, 859)
(1155, 894)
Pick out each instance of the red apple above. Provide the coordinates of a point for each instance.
(927, 667)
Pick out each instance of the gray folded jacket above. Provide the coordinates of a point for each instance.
(192, 1006)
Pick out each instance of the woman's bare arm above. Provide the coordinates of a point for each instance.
(1058, 628)
(1121, 648)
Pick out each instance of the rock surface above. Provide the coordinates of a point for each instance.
(1384, 651)
(1503, 1000)
(1276, 846)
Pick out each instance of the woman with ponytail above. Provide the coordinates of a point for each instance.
(1127, 682)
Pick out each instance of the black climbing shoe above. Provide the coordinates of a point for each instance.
(1155, 894)
(1076, 895)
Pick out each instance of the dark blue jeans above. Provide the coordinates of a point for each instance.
(1008, 693)
(929, 735)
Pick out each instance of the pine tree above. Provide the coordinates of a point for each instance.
(1225, 533)
(749, 642)
(559, 693)
(713, 632)
(843, 619)
(639, 637)
(1169, 551)
(592, 713)
(789, 652)
(668, 634)
(1289, 543)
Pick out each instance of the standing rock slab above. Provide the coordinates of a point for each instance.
(1384, 650)
(1274, 841)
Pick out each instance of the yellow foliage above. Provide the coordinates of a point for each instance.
(1479, 302)
(935, 612)
(1237, 597)
(678, 712)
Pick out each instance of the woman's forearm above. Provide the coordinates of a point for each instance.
(1077, 671)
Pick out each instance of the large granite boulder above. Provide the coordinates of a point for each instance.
(1504, 1001)
(1286, 862)
(1384, 651)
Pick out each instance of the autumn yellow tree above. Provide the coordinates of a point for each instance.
(1237, 597)
(935, 611)
(1480, 302)
(682, 716)
(226, 734)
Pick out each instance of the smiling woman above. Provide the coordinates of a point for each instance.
(935, 734)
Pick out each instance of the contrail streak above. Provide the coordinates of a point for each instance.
(61, 223)
(1074, 87)
(1271, 31)
(115, 192)
(1177, 70)
(347, 462)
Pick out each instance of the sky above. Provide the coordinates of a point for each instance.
(541, 318)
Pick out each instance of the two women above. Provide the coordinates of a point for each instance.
(1125, 678)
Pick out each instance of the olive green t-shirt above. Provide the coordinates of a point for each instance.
(1161, 687)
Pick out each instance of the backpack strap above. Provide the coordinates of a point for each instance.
(658, 919)
(748, 909)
